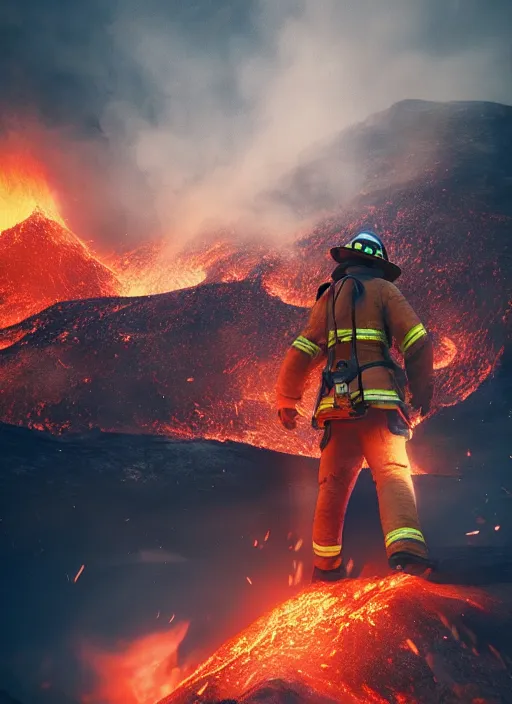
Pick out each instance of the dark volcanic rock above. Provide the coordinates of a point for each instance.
(168, 527)
(460, 145)
(162, 527)
(471, 437)
(185, 360)
(6, 699)
(280, 692)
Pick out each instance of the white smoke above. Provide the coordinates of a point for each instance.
(227, 126)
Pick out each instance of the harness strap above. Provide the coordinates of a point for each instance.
(327, 381)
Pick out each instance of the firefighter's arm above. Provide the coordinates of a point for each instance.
(415, 344)
(305, 354)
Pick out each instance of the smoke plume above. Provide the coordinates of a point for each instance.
(204, 108)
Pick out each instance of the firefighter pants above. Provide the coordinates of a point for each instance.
(348, 442)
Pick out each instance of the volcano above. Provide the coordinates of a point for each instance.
(42, 262)
(202, 361)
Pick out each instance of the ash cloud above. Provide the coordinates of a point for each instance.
(196, 112)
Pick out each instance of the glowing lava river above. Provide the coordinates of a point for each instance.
(392, 640)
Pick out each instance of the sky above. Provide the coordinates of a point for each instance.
(170, 117)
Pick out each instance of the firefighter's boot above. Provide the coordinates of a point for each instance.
(335, 575)
(411, 564)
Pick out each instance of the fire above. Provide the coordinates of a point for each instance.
(357, 640)
(24, 187)
(142, 672)
(151, 270)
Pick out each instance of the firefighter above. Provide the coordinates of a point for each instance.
(361, 403)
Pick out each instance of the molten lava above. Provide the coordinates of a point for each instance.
(151, 270)
(42, 263)
(357, 641)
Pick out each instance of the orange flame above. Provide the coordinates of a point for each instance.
(140, 673)
(24, 187)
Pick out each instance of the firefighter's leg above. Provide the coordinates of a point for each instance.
(385, 451)
(340, 464)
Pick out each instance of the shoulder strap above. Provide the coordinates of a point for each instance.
(357, 291)
(336, 287)
(330, 326)
(332, 333)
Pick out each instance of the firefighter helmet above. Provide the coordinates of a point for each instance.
(368, 248)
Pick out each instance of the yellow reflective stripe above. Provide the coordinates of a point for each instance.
(326, 404)
(404, 534)
(305, 345)
(414, 334)
(326, 550)
(377, 395)
(380, 396)
(345, 335)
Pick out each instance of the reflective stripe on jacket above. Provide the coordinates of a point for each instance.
(382, 315)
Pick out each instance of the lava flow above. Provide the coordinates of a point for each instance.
(42, 263)
(359, 641)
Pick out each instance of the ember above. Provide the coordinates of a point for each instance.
(79, 574)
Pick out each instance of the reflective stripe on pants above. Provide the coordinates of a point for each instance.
(332, 553)
(350, 441)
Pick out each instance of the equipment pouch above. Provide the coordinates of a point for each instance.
(397, 424)
(345, 372)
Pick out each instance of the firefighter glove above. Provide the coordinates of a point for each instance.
(288, 418)
(421, 404)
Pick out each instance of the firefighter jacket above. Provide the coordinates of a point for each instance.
(382, 315)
